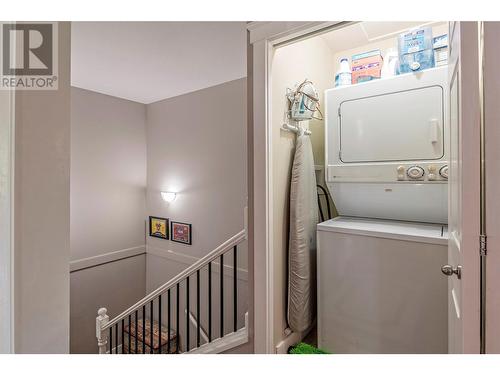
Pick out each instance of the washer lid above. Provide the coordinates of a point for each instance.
(399, 230)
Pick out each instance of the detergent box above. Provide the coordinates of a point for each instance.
(440, 45)
(366, 66)
(416, 50)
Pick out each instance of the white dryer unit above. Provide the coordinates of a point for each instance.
(386, 148)
(380, 287)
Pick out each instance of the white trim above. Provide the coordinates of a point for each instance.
(263, 306)
(97, 260)
(264, 37)
(492, 120)
(188, 260)
(222, 344)
(7, 230)
(281, 32)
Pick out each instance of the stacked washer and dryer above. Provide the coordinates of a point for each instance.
(380, 287)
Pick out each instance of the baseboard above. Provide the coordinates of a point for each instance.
(80, 264)
(188, 260)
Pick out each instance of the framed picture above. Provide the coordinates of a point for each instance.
(158, 227)
(181, 232)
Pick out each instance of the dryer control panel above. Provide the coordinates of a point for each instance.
(422, 173)
(416, 172)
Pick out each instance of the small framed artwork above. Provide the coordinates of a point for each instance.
(181, 232)
(158, 227)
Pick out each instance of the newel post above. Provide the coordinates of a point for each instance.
(102, 337)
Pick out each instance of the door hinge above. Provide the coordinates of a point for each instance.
(339, 111)
(482, 245)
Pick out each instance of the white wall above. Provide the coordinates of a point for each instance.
(311, 59)
(42, 213)
(108, 204)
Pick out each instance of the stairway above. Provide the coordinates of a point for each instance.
(169, 319)
(138, 339)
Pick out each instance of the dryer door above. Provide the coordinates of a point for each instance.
(406, 125)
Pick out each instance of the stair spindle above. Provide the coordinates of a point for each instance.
(136, 323)
(110, 340)
(235, 289)
(159, 324)
(129, 351)
(177, 296)
(210, 302)
(187, 314)
(116, 337)
(198, 308)
(123, 335)
(168, 321)
(222, 295)
(151, 326)
(144, 329)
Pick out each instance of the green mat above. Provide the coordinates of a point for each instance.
(304, 348)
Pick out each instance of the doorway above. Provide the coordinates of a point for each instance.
(266, 41)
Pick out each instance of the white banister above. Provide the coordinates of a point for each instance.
(214, 254)
(101, 334)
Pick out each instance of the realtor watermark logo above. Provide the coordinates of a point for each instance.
(28, 56)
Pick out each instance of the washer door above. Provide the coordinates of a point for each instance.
(406, 125)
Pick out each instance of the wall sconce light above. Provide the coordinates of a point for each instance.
(168, 196)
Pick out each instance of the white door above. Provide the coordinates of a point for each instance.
(464, 190)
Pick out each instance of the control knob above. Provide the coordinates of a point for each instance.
(415, 172)
(443, 171)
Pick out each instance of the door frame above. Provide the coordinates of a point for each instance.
(491, 93)
(264, 38)
(7, 226)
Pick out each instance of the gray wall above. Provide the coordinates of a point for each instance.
(108, 198)
(115, 285)
(42, 213)
(108, 173)
(197, 147)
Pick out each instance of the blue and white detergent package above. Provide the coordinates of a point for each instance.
(416, 50)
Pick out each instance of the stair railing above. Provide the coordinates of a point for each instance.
(111, 333)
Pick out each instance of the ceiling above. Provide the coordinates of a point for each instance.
(362, 33)
(150, 61)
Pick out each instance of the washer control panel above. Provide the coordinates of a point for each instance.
(422, 172)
